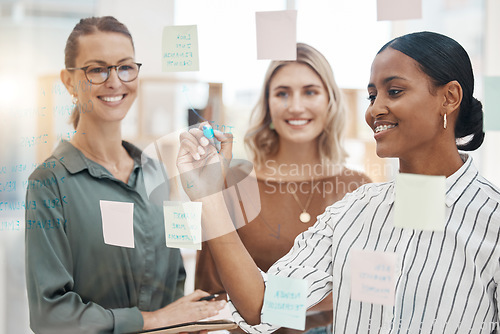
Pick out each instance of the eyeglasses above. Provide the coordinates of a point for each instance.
(99, 74)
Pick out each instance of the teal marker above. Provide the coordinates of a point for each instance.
(209, 133)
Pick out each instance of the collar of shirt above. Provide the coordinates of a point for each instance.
(75, 161)
(455, 183)
(460, 180)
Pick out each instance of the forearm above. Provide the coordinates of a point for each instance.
(239, 275)
(150, 320)
(237, 270)
(68, 314)
(325, 305)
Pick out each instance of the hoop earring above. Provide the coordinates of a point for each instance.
(271, 125)
(445, 122)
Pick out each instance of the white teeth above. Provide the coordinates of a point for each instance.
(381, 128)
(112, 98)
(298, 122)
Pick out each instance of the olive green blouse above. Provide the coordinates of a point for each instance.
(77, 283)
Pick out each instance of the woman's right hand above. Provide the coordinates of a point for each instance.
(202, 168)
(186, 309)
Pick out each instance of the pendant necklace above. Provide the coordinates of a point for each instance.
(304, 217)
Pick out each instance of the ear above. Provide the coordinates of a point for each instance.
(452, 97)
(67, 80)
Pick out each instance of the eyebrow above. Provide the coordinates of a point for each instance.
(306, 87)
(387, 80)
(101, 62)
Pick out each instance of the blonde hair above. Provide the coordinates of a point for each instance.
(263, 142)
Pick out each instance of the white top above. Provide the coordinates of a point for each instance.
(447, 281)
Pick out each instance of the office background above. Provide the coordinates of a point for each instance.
(34, 106)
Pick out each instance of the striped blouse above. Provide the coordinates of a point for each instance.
(446, 281)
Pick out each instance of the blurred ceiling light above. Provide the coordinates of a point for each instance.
(10, 92)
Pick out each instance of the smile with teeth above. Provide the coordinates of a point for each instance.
(381, 128)
(297, 121)
(112, 98)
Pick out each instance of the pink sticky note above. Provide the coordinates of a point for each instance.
(118, 223)
(277, 35)
(391, 10)
(373, 276)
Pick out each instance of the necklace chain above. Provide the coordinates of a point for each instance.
(304, 217)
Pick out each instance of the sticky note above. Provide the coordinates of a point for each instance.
(285, 302)
(392, 10)
(491, 104)
(373, 276)
(420, 202)
(118, 223)
(182, 224)
(277, 35)
(180, 49)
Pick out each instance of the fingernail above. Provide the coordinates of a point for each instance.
(204, 141)
(196, 156)
(201, 150)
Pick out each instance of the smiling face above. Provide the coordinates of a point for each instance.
(405, 116)
(111, 100)
(298, 103)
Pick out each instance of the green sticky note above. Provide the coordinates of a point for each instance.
(180, 49)
(420, 202)
(492, 103)
(285, 302)
(182, 224)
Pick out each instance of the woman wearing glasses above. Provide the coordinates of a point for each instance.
(77, 281)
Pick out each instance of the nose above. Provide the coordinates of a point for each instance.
(376, 109)
(296, 103)
(113, 80)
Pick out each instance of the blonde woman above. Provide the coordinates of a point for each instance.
(295, 139)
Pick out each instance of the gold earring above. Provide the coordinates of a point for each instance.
(445, 122)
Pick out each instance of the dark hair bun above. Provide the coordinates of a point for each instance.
(470, 123)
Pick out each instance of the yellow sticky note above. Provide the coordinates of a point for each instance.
(276, 35)
(285, 302)
(420, 202)
(118, 223)
(373, 276)
(182, 224)
(180, 49)
(392, 10)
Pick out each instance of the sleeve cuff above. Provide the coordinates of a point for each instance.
(127, 320)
